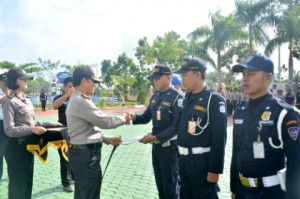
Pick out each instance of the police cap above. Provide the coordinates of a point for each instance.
(192, 64)
(17, 73)
(255, 62)
(160, 70)
(84, 72)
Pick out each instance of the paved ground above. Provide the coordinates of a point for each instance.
(129, 176)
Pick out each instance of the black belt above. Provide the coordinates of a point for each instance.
(94, 146)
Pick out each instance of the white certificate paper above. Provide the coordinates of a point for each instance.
(132, 139)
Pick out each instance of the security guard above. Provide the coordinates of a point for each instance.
(201, 134)
(265, 135)
(60, 102)
(20, 125)
(164, 110)
(290, 98)
(84, 120)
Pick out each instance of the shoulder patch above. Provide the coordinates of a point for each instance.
(293, 132)
(291, 122)
(222, 108)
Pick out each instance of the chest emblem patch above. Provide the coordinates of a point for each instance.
(200, 108)
(266, 115)
(293, 132)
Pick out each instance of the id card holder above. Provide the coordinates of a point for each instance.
(158, 115)
(192, 127)
(258, 150)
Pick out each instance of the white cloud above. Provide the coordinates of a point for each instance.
(92, 30)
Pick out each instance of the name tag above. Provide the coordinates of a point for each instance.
(238, 121)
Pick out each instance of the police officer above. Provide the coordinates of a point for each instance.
(290, 97)
(84, 121)
(60, 102)
(43, 99)
(201, 134)
(265, 134)
(298, 98)
(4, 91)
(164, 111)
(20, 125)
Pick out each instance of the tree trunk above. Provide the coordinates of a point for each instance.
(279, 64)
(291, 63)
(219, 74)
(250, 40)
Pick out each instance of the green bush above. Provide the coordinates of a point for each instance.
(141, 98)
(102, 103)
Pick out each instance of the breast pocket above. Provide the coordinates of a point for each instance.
(199, 118)
(166, 113)
(23, 110)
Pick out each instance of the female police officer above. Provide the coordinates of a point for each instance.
(19, 124)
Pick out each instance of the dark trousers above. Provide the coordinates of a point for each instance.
(243, 192)
(20, 165)
(43, 105)
(3, 139)
(165, 165)
(193, 171)
(65, 170)
(85, 165)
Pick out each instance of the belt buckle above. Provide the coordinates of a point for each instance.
(249, 182)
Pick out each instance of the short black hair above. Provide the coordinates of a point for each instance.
(67, 80)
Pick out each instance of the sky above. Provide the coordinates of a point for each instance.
(88, 31)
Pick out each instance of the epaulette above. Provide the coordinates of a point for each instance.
(85, 96)
(11, 95)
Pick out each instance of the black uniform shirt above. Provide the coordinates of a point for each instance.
(246, 121)
(214, 136)
(62, 110)
(169, 103)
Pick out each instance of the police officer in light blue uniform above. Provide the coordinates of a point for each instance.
(201, 134)
(265, 135)
(164, 111)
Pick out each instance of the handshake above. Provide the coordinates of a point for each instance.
(128, 117)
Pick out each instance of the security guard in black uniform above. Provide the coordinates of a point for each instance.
(164, 110)
(290, 98)
(265, 135)
(201, 134)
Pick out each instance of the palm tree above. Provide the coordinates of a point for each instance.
(224, 30)
(287, 32)
(254, 18)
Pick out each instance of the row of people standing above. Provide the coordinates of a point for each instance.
(234, 98)
(261, 146)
